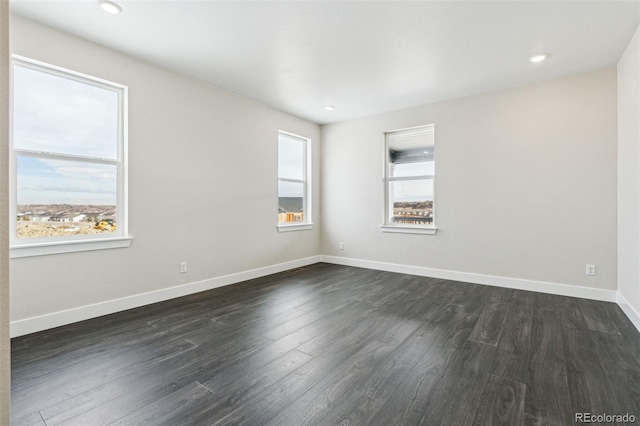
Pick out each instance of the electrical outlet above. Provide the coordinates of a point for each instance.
(591, 270)
(183, 267)
(341, 246)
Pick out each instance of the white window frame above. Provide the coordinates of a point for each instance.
(307, 201)
(387, 225)
(56, 245)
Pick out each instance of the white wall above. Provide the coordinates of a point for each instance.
(525, 186)
(202, 185)
(629, 176)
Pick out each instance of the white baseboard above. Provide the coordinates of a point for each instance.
(57, 319)
(629, 311)
(515, 283)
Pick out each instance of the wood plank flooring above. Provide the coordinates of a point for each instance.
(329, 344)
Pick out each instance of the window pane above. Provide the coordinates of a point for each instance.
(290, 202)
(59, 197)
(423, 168)
(63, 116)
(411, 153)
(290, 157)
(411, 201)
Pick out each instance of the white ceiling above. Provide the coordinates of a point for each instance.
(364, 57)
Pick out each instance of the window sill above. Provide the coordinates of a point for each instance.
(44, 249)
(296, 227)
(406, 229)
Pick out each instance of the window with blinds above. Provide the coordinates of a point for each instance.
(409, 178)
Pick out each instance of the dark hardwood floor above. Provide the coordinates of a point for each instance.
(330, 344)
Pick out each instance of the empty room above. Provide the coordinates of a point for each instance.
(319, 212)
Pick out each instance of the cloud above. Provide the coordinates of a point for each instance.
(60, 115)
(48, 181)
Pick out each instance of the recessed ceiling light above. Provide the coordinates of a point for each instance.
(329, 107)
(110, 7)
(538, 58)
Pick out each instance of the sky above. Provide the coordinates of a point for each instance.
(290, 166)
(412, 190)
(63, 116)
(47, 181)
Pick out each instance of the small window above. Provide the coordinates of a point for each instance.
(409, 180)
(67, 157)
(294, 203)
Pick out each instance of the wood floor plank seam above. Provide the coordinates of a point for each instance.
(331, 344)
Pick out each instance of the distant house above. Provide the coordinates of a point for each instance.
(60, 218)
(79, 218)
(40, 218)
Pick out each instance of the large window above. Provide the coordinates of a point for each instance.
(408, 180)
(294, 195)
(68, 160)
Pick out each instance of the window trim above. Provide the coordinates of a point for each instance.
(58, 245)
(387, 225)
(307, 188)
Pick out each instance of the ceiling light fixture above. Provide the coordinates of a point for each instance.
(110, 7)
(538, 58)
(329, 107)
